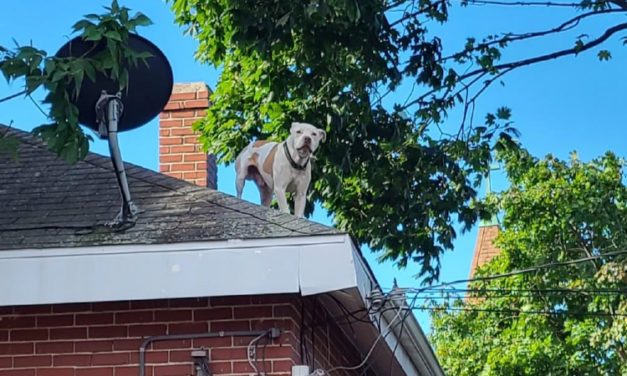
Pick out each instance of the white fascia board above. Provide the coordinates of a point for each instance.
(308, 264)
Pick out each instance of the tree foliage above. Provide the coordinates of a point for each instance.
(562, 320)
(391, 173)
(62, 77)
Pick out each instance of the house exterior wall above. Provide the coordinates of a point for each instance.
(180, 154)
(103, 339)
(485, 250)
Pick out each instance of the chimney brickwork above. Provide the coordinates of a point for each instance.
(180, 154)
(485, 249)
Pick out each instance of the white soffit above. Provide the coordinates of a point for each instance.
(309, 265)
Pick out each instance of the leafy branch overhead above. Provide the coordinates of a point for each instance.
(62, 77)
(397, 173)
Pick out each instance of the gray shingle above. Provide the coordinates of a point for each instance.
(46, 202)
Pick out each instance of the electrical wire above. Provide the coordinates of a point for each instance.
(520, 311)
(368, 354)
(250, 351)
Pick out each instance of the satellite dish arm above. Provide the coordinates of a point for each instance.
(114, 108)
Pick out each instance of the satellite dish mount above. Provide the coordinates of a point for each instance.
(106, 110)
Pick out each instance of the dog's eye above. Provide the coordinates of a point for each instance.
(314, 134)
(299, 131)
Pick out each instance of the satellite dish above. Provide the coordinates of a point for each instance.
(106, 110)
(149, 85)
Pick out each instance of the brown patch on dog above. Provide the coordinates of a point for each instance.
(269, 161)
(260, 143)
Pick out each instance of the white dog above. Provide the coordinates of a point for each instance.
(280, 167)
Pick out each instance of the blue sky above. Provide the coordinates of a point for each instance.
(574, 103)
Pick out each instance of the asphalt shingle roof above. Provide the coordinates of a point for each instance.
(46, 202)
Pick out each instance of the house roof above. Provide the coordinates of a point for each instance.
(49, 203)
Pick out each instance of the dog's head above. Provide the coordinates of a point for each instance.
(306, 138)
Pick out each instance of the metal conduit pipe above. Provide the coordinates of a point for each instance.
(149, 340)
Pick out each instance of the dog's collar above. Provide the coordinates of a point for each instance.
(292, 162)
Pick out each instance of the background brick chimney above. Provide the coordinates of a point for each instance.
(484, 247)
(180, 154)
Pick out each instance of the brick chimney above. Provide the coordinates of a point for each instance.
(180, 154)
(484, 247)
(488, 230)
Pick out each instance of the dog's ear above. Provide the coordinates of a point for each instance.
(323, 135)
(294, 125)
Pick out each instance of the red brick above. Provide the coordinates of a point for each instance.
(230, 325)
(164, 132)
(213, 313)
(134, 317)
(220, 367)
(31, 309)
(108, 371)
(229, 354)
(182, 96)
(229, 300)
(201, 113)
(164, 149)
(17, 322)
(147, 330)
(272, 299)
(94, 318)
(199, 103)
(182, 149)
(188, 302)
(176, 370)
(112, 306)
(190, 140)
(107, 331)
(74, 360)
(252, 312)
(179, 356)
(55, 320)
(285, 310)
(164, 168)
(172, 344)
(193, 175)
(164, 115)
(170, 141)
(244, 367)
(212, 342)
(184, 131)
(68, 333)
(171, 158)
(192, 121)
(282, 365)
(127, 344)
(109, 359)
(28, 334)
(6, 362)
(178, 175)
(277, 352)
(6, 311)
(16, 348)
(202, 94)
(201, 165)
(55, 371)
(73, 307)
(93, 346)
(149, 303)
(173, 315)
(4, 335)
(183, 114)
(170, 106)
(182, 167)
(57, 347)
(187, 328)
(170, 123)
(195, 157)
(156, 357)
(32, 361)
(19, 372)
(262, 324)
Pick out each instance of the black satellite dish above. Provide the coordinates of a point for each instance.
(106, 110)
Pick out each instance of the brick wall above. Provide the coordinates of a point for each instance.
(484, 247)
(102, 339)
(180, 154)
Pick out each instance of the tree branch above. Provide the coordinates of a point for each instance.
(13, 96)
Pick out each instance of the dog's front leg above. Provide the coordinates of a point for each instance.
(281, 199)
(300, 198)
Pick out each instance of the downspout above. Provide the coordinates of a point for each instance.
(235, 333)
